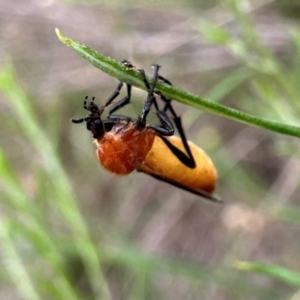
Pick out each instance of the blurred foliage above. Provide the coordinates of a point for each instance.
(69, 230)
(273, 271)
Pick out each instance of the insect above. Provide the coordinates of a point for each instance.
(125, 144)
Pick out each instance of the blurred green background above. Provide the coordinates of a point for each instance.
(70, 230)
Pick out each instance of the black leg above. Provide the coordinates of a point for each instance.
(121, 103)
(166, 127)
(119, 117)
(150, 98)
(144, 78)
(164, 80)
(124, 101)
(186, 158)
(114, 95)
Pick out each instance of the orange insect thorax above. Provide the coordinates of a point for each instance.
(124, 148)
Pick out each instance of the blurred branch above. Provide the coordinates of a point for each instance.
(132, 77)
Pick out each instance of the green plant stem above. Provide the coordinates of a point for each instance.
(132, 77)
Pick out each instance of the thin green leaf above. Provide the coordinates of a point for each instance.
(14, 264)
(273, 271)
(155, 265)
(62, 191)
(118, 70)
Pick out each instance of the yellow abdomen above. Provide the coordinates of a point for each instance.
(161, 161)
